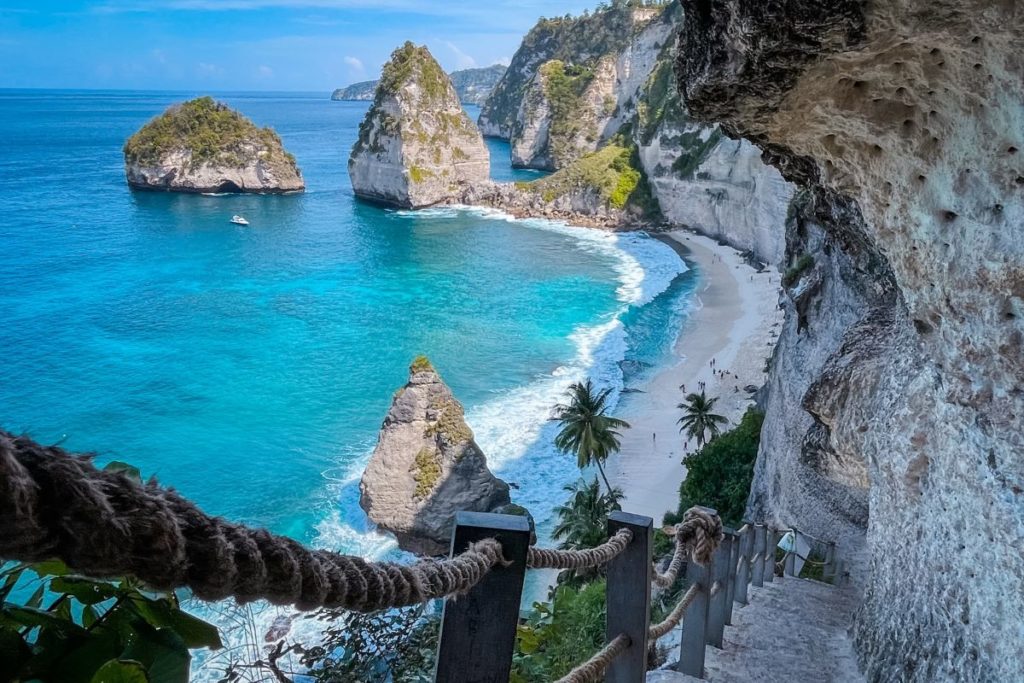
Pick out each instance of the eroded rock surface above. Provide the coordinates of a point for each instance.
(426, 467)
(416, 146)
(204, 146)
(901, 368)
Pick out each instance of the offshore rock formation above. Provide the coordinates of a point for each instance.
(426, 467)
(472, 85)
(203, 146)
(905, 122)
(416, 146)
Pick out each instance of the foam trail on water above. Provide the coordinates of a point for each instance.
(514, 429)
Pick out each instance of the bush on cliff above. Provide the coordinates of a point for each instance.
(209, 130)
(719, 474)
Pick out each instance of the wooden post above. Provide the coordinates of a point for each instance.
(789, 565)
(743, 573)
(829, 572)
(478, 629)
(628, 597)
(734, 557)
(757, 564)
(771, 543)
(695, 619)
(716, 606)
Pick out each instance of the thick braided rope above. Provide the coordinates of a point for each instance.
(699, 533)
(675, 616)
(544, 558)
(56, 505)
(593, 669)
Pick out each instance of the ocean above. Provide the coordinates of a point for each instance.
(250, 368)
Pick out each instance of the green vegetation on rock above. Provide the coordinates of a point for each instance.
(805, 262)
(695, 151)
(426, 471)
(719, 474)
(451, 424)
(421, 364)
(613, 172)
(563, 87)
(410, 60)
(211, 132)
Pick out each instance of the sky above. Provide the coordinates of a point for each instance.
(218, 45)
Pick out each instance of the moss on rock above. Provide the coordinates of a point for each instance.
(426, 471)
(210, 132)
(612, 171)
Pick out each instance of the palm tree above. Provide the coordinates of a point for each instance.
(582, 523)
(583, 517)
(697, 417)
(586, 430)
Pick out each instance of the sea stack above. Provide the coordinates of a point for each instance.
(204, 146)
(426, 466)
(416, 146)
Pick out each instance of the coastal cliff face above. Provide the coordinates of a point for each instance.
(416, 146)
(897, 380)
(426, 467)
(577, 85)
(472, 85)
(203, 146)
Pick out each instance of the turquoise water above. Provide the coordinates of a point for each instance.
(250, 368)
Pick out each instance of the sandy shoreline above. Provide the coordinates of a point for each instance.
(737, 323)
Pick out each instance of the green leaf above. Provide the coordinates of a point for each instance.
(86, 591)
(31, 617)
(89, 616)
(120, 671)
(130, 471)
(161, 652)
(193, 631)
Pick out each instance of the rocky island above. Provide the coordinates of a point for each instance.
(416, 146)
(204, 146)
(426, 466)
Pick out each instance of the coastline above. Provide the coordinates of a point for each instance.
(736, 322)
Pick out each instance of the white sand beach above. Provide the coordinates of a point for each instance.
(737, 324)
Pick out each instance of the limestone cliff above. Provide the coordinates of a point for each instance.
(578, 85)
(416, 146)
(203, 146)
(896, 385)
(426, 466)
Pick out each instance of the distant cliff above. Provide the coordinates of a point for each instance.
(357, 92)
(578, 85)
(416, 146)
(204, 146)
(472, 85)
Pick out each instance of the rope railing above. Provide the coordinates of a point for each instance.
(665, 626)
(593, 669)
(100, 523)
(547, 558)
(105, 523)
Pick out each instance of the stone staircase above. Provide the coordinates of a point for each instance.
(792, 630)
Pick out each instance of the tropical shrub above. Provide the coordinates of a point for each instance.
(719, 474)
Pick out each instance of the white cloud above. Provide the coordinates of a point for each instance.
(264, 71)
(504, 61)
(207, 70)
(462, 60)
(355, 66)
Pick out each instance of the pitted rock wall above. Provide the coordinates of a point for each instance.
(912, 115)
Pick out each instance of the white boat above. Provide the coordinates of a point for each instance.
(238, 220)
